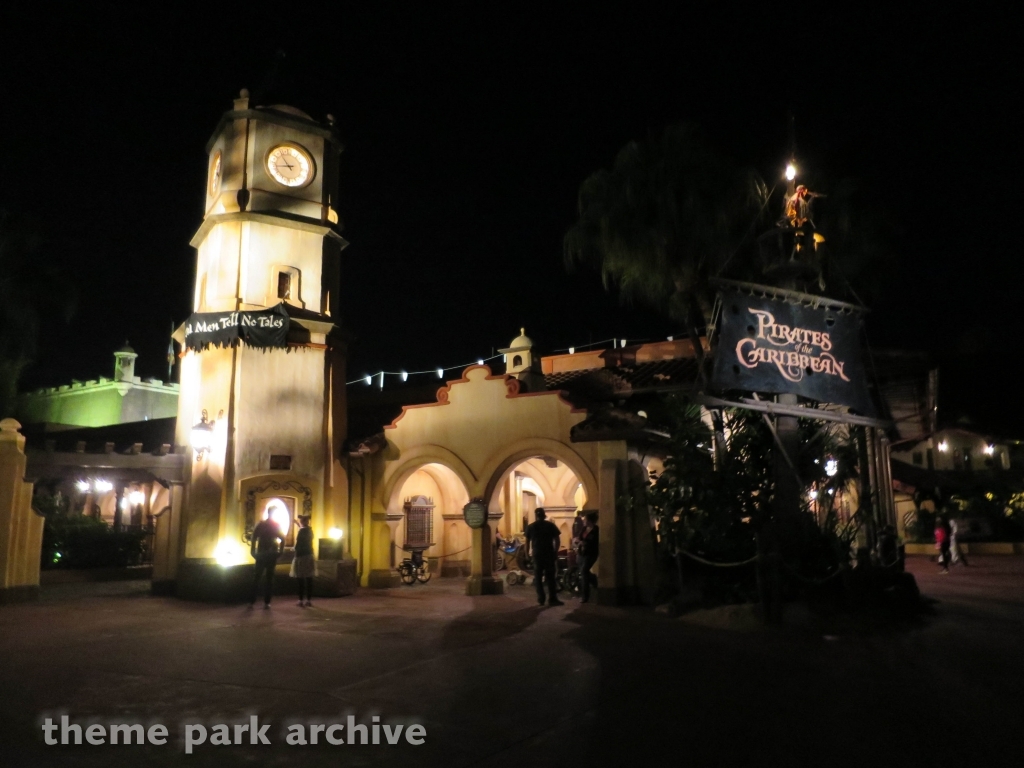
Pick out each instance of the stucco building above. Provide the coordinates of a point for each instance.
(122, 398)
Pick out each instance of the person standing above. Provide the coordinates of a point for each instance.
(542, 538)
(590, 549)
(942, 543)
(956, 556)
(575, 560)
(267, 545)
(304, 564)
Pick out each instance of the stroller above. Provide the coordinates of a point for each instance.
(507, 550)
(565, 577)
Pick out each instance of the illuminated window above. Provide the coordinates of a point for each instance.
(281, 509)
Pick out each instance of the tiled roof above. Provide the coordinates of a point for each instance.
(597, 384)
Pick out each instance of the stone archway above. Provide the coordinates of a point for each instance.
(532, 482)
(538, 448)
(445, 489)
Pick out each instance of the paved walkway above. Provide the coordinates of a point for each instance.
(498, 681)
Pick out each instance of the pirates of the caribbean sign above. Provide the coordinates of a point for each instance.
(266, 328)
(770, 345)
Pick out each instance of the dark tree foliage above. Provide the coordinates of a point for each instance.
(717, 515)
(32, 286)
(667, 216)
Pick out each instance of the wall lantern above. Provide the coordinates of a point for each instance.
(103, 486)
(137, 498)
(990, 449)
(202, 435)
(83, 486)
(943, 446)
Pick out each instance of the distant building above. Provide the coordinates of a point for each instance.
(102, 402)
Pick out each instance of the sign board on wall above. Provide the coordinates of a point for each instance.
(265, 328)
(475, 514)
(788, 346)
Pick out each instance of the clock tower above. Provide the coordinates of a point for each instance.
(262, 423)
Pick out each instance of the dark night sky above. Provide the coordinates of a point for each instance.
(468, 129)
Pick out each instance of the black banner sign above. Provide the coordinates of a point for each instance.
(265, 328)
(770, 345)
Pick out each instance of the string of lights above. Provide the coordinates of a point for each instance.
(369, 378)
(404, 375)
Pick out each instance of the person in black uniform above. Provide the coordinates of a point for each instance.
(267, 544)
(542, 538)
(589, 547)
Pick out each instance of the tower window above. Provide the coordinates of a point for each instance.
(284, 285)
(517, 361)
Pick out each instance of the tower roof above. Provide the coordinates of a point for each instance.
(126, 349)
(520, 342)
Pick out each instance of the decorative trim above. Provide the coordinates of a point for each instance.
(512, 387)
(273, 485)
(791, 297)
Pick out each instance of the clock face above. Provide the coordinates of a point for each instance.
(215, 173)
(289, 165)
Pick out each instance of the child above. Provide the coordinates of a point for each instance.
(942, 544)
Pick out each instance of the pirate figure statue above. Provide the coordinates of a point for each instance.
(798, 216)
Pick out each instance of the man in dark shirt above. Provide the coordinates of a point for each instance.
(542, 537)
(267, 545)
(589, 549)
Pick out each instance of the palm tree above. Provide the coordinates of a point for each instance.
(30, 286)
(668, 216)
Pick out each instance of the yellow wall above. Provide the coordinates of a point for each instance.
(480, 431)
(21, 529)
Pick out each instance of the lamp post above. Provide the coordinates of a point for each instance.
(202, 435)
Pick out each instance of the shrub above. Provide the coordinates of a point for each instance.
(76, 541)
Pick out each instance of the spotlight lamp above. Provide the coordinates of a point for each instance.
(790, 172)
(202, 435)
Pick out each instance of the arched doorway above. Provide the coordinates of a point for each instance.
(537, 481)
(437, 486)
